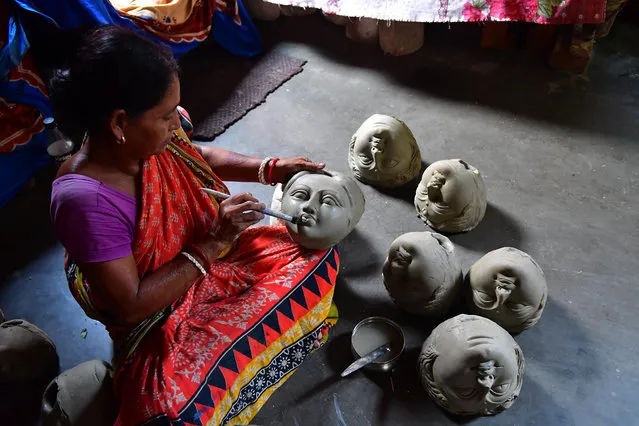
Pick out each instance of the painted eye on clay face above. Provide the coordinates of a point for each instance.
(465, 393)
(500, 389)
(482, 298)
(331, 200)
(365, 160)
(300, 194)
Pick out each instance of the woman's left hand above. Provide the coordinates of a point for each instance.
(285, 168)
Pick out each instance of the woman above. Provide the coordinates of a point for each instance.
(208, 316)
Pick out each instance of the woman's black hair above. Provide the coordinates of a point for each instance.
(114, 68)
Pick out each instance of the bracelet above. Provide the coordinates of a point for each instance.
(270, 172)
(260, 172)
(194, 262)
(197, 250)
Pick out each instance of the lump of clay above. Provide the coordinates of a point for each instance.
(329, 203)
(383, 152)
(26, 353)
(422, 273)
(509, 287)
(81, 396)
(471, 366)
(451, 196)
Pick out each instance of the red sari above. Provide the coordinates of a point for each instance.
(216, 354)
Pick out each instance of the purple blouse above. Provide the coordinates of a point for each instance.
(95, 222)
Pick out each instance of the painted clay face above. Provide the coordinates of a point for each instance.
(384, 152)
(82, 395)
(471, 366)
(509, 287)
(26, 353)
(422, 273)
(329, 203)
(451, 196)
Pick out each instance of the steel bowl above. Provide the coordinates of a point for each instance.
(397, 343)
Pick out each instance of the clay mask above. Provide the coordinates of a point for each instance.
(26, 353)
(383, 152)
(509, 287)
(330, 204)
(80, 396)
(422, 273)
(451, 196)
(471, 366)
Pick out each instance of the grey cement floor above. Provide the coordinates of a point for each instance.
(559, 157)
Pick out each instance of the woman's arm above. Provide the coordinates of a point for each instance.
(130, 299)
(231, 166)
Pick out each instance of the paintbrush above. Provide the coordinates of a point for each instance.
(293, 219)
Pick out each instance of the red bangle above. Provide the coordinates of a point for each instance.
(201, 255)
(270, 172)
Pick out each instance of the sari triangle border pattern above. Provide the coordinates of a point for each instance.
(308, 292)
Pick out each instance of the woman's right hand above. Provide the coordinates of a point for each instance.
(235, 214)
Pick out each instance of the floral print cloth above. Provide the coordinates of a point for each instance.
(538, 11)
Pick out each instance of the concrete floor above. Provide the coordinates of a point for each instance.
(559, 157)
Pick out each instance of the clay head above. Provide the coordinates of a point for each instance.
(422, 273)
(383, 152)
(451, 196)
(81, 396)
(26, 353)
(329, 203)
(471, 366)
(509, 287)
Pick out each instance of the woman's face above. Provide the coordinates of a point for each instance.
(323, 204)
(150, 132)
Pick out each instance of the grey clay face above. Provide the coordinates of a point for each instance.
(81, 396)
(451, 196)
(384, 152)
(26, 352)
(330, 205)
(422, 273)
(509, 287)
(470, 366)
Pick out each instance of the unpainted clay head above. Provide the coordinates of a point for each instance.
(276, 205)
(422, 273)
(26, 352)
(383, 152)
(329, 203)
(81, 396)
(471, 366)
(451, 196)
(509, 287)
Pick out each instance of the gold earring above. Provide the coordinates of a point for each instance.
(121, 141)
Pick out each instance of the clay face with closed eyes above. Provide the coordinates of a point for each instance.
(329, 204)
(472, 366)
(451, 196)
(508, 286)
(383, 152)
(422, 273)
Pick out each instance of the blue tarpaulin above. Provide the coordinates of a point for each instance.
(18, 166)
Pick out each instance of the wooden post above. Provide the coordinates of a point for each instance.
(261, 10)
(362, 29)
(401, 38)
(496, 35)
(540, 39)
(297, 11)
(336, 19)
